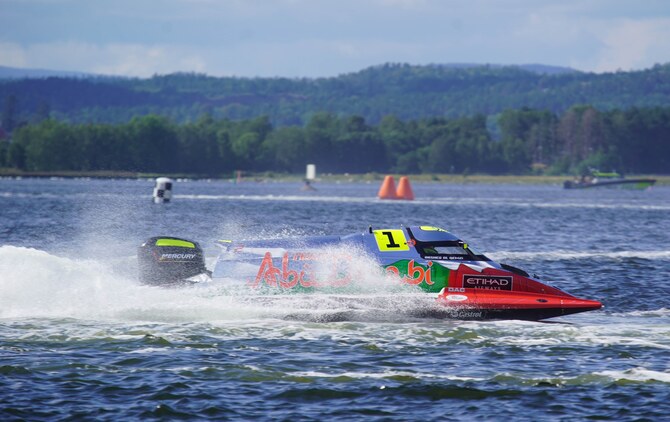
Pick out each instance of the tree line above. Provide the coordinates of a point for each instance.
(636, 140)
(405, 91)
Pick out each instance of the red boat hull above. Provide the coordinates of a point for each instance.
(495, 304)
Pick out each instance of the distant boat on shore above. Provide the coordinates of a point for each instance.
(612, 179)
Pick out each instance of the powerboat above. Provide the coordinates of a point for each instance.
(613, 179)
(411, 261)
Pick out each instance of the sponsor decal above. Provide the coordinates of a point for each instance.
(177, 256)
(456, 298)
(487, 282)
(287, 278)
(430, 277)
(302, 270)
(467, 314)
(415, 274)
(456, 289)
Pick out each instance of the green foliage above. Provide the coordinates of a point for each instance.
(633, 141)
(394, 117)
(153, 144)
(9, 113)
(4, 149)
(407, 92)
(47, 147)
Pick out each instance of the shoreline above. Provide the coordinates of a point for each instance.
(661, 180)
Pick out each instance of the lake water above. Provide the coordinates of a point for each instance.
(81, 339)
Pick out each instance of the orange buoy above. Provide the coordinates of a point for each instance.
(387, 190)
(404, 189)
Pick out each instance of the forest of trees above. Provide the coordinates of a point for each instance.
(405, 91)
(635, 140)
(389, 118)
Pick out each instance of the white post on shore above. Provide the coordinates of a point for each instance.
(310, 173)
(310, 176)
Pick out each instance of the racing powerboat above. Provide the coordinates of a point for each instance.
(415, 261)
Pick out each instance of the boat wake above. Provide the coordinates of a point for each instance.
(37, 284)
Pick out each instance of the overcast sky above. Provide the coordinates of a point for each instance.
(312, 38)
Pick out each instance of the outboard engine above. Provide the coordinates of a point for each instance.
(169, 260)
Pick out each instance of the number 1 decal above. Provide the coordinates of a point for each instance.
(391, 240)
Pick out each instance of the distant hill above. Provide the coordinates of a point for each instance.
(19, 73)
(535, 68)
(26, 73)
(406, 91)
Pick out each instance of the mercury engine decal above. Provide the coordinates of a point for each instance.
(177, 256)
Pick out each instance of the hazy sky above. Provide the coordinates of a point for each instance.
(313, 38)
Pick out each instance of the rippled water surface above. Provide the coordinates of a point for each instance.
(80, 338)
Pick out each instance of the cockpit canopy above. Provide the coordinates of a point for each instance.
(435, 243)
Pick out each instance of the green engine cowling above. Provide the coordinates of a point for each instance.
(169, 260)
